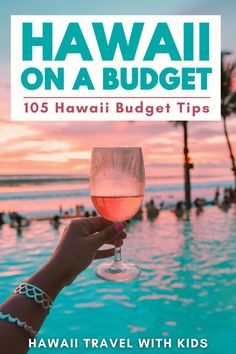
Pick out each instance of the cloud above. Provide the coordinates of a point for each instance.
(218, 139)
(39, 145)
(59, 157)
(13, 131)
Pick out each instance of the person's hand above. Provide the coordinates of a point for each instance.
(80, 243)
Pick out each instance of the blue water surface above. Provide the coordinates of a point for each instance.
(187, 288)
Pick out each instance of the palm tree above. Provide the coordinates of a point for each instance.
(228, 101)
(187, 165)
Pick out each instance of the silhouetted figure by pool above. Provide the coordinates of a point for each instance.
(162, 204)
(152, 210)
(217, 196)
(226, 204)
(180, 210)
(232, 195)
(226, 195)
(79, 210)
(55, 221)
(18, 221)
(199, 204)
(2, 222)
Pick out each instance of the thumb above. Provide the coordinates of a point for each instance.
(107, 234)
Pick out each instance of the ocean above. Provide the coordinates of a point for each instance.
(42, 195)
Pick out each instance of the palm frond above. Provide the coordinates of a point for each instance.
(228, 93)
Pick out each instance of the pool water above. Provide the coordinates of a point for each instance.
(187, 288)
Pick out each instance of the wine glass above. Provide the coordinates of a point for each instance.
(117, 181)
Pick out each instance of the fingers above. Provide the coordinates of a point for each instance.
(119, 241)
(96, 224)
(107, 235)
(91, 224)
(105, 253)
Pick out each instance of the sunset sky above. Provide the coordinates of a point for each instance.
(65, 147)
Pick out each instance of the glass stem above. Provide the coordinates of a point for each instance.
(117, 256)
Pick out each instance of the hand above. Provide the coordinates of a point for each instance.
(77, 248)
(80, 244)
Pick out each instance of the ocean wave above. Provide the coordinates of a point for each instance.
(15, 180)
(80, 191)
(44, 194)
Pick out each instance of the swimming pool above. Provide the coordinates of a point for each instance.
(187, 288)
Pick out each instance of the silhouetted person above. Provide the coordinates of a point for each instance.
(87, 214)
(17, 220)
(94, 213)
(225, 205)
(180, 209)
(199, 204)
(2, 219)
(152, 211)
(77, 210)
(162, 205)
(217, 195)
(232, 195)
(55, 221)
(226, 199)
